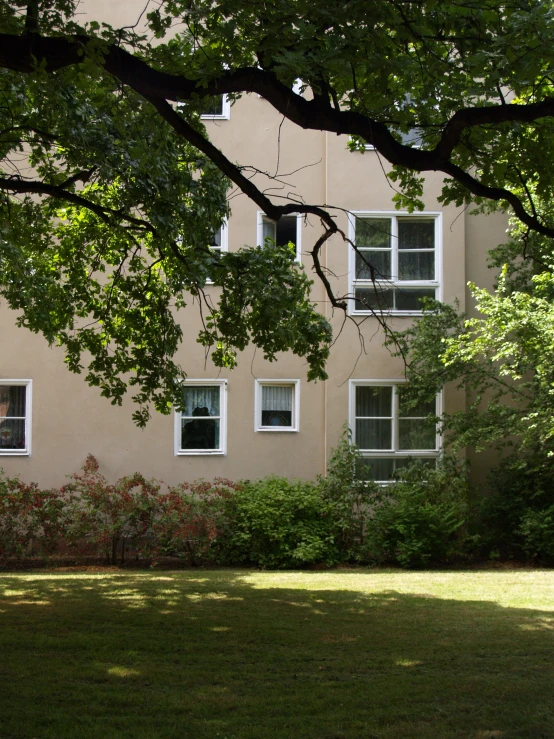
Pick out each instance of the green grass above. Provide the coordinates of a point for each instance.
(236, 654)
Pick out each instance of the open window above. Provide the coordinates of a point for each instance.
(219, 242)
(288, 229)
(15, 417)
(277, 405)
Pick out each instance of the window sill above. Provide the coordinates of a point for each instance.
(215, 117)
(14, 453)
(200, 453)
(277, 429)
(393, 313)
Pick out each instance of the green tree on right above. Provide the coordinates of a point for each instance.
(503, 357)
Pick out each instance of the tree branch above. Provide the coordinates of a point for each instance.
(23, 53)
(31, 17)
(34, 187)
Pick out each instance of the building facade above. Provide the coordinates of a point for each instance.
(266, 418)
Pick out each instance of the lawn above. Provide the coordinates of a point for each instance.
(240, 654)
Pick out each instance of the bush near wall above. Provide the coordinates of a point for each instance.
(277, 523)
(517, 518)
(272, 523)
(421, 519)
(27, 513)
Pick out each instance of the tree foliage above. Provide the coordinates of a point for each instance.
(502, 357)
(111, 189)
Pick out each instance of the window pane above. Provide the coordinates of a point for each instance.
(416, 265)
(416, 433)
(201, 400)
(409, 299)
(377, 299)
(373, 401)
(213, 106)
(12, 434)
(373, 233)
(420, 410)
(417, 233)
(402, 462)
(12, 401)
(379, 260)
(200, 433)
(276, 398)
(277, 405)
(277, 418)
(285, 230)
(374, 433)
(375, 468)
(215, 241)
(269, 230)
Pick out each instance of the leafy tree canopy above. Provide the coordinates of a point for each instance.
(110, 187)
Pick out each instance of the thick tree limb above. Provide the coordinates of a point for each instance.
(23, 53)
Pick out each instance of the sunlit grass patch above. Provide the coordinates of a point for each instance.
(309, 655)
(123, 672)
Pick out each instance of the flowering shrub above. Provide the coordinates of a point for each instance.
(190, 517)
(109, 517)
(27, 513)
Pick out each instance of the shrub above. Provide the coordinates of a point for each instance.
(190, 517)
(276, 523)
(421, 518)
(350, 496)
(517, 519)
(27, 514)
(109, 517)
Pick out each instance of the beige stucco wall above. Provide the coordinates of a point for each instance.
(71, 420)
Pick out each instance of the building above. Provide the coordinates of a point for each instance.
(265, 418)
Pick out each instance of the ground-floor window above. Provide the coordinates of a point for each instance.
(15, 417)
(389, 431)
(277, 405)
(200, 426)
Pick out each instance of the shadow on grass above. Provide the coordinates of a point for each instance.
(226, 654)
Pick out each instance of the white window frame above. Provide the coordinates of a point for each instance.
(26, 452)
(222, 422)
(225, 114)
(295, 426)
(261, 217)
(394, 452)
(394, 215)
(224, 243)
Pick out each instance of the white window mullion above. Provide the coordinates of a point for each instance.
(394, 246)
(394, 418)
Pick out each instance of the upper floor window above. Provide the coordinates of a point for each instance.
(277, 405)
(217, 108)
(219, 242)
(201, 426)
(389, 431)
(396, 262)
(15, 417)
(288, 229)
